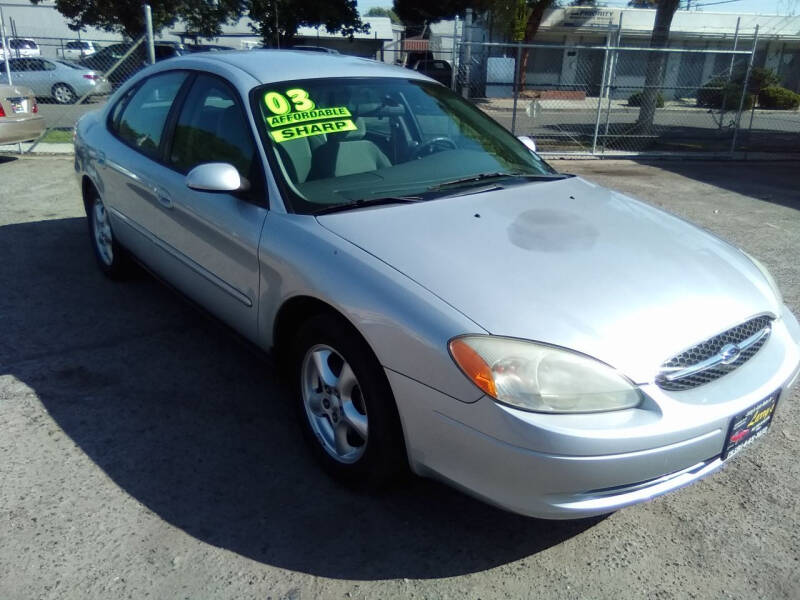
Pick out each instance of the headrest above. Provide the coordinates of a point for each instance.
(350, 136)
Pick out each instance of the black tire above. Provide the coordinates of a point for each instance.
(384, 459)
(118, 264)
(63, 94)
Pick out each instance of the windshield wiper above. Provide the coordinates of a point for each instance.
(365, 203)
(497, 175)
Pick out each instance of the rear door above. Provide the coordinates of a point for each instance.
(128, 158)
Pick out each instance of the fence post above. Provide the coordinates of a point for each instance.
(744, 92)
(516, 89)
(730, 73)
(612, 78)
(148, 21)
(600, 95)
(467, 51)
(6, 55)
(455, 59)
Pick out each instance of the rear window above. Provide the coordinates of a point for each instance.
(141, 123)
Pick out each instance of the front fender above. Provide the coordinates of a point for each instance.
(406, 326)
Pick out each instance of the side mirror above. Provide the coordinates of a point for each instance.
(528, 141)
(216, 177)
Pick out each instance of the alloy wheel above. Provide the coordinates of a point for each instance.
(334, 404)
(103, 238)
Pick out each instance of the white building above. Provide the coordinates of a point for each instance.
(563, 65)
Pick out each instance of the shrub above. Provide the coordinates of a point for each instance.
(777, 97)
(759, 79)
(715, 90)
(635, 99)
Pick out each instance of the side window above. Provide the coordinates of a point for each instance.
(142, 121)
(17, 64)
(34, 64)
(46, 65)
(212, 128)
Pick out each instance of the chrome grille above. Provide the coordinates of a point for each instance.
(710, 348)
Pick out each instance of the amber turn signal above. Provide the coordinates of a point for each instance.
(473, 366)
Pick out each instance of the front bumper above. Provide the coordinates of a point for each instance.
(574, 466)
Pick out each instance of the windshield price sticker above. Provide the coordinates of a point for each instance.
(301, 131)
(296, 107)
(309, 115)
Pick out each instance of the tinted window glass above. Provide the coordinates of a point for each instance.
(17, 64)
(212, 128)
(143, 118)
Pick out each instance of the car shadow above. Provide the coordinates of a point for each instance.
(193, 424)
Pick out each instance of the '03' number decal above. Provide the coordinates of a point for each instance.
(279, 105)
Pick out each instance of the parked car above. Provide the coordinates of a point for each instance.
(323, 49)
(440, 70)
(20, 120)
(60, 80)
(77, 49)
(21, 47)
(103, 60)
(206, 48)
(438, 296)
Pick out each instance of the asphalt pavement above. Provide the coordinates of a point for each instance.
(145, 452)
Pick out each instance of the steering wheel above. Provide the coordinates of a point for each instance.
(430, 147)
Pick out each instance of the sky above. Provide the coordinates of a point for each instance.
(767, 7)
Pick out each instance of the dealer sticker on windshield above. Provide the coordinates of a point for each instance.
(295, 115)
(747, 427)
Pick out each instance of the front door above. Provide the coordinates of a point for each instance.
(212, 238)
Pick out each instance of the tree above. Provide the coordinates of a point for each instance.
(127, 17)
(377, 11)
(536, 12)
(420, 12)
(277, 21)
(654, 71)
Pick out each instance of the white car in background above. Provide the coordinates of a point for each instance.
(21, 48)
(77, 49)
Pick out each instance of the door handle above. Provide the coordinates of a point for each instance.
(164, 199)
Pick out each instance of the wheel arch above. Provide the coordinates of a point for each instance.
(88, 187)
(296, 310)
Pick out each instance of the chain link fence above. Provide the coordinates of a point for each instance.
(572, 99)
(70, 77)
(621, 100)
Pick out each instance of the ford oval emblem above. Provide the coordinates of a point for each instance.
(729, 353)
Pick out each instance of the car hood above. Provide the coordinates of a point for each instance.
(568, 263)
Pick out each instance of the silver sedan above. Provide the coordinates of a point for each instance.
(439, 298)
(61, 80)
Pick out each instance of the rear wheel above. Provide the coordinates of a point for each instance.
(64, 94)
(109, 254)
(345, 405)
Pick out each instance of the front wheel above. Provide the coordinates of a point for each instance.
(345, 405)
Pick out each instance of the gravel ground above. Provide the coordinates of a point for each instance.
(146, 453)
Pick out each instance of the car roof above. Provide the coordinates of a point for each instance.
(268, 66)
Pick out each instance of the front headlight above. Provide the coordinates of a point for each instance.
(767, 275)
(541, 378)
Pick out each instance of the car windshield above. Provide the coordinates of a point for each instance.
(345, 142)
